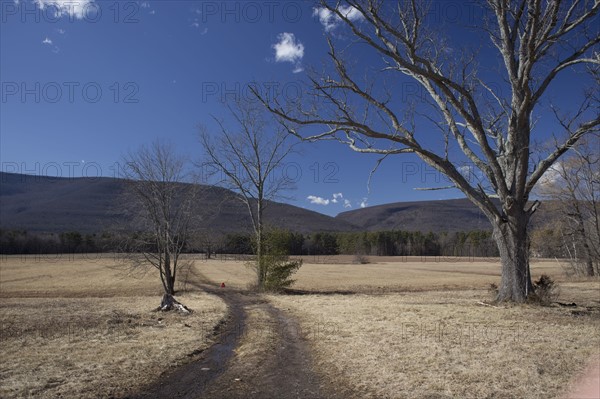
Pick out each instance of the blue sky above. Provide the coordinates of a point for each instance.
(85, 81)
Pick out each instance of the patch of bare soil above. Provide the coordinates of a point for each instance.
(587, 385)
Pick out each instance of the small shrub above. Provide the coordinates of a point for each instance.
(546, 290)
(276, 264)
(361, 259)
(279, 272)
(493, 290)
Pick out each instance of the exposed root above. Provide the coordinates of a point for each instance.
(169, 303)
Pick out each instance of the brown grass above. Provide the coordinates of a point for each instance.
(444, 344)
(81, 328)
(428, 333)
(413, 328)
(383, 274)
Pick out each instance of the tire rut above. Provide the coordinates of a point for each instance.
(190, 380)
(260, 353)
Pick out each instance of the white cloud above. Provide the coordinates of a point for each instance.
(47, 41)
(288, 49)
(73, 8)
(347, 204)
(317, 200)
(145, 4)
(552, 175)
(363, 203)
(196, 24)
(467, 171)
(336, 197)
(61, 31)
(330, 20)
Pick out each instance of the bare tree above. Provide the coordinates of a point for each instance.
(250, 159)
(574, 186)
(535, 42)
(162, 213)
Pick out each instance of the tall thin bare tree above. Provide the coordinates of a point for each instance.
(573, 184)
(249, 158)
(535, 43)
(161, 202)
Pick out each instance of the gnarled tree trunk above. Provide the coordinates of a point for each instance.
(511, 238)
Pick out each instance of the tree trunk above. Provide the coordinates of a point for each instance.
(168, 303)
(169, 278)
(262, 274)
(587, 253)
(511, 238)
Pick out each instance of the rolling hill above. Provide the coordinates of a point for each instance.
(90, 205)
(425, 216)
(443, 215)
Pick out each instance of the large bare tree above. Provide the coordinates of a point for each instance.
(484, 115)
(249, 158)
(161, 203)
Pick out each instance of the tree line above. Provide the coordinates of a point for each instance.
(372, 243)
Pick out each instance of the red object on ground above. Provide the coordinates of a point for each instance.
(222, 285)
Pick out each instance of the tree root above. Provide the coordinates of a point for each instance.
(169, 303)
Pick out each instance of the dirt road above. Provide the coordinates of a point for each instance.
(260, 353)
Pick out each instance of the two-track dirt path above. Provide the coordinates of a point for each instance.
(260, 353)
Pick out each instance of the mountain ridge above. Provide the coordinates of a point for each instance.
(91, 205)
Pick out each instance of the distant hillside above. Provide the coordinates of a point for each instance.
(437, 216)
(89, 205)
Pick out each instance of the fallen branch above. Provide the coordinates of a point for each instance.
(488, 305)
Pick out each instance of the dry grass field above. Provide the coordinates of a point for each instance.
(420, 328)
(77, 327)
(384, 274)
(393, 328)
(444, 344)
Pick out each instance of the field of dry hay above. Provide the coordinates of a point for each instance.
(384, 274)
(394, 328)
(418, 328)
(80, 328)
(443, 344)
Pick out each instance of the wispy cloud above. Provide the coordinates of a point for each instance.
(364, 203)
(331, 20)
(552, 176)
(289, 49)
(73, 8)
(336, 198)
(47, 41)
(317, 200)
(196, 25)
